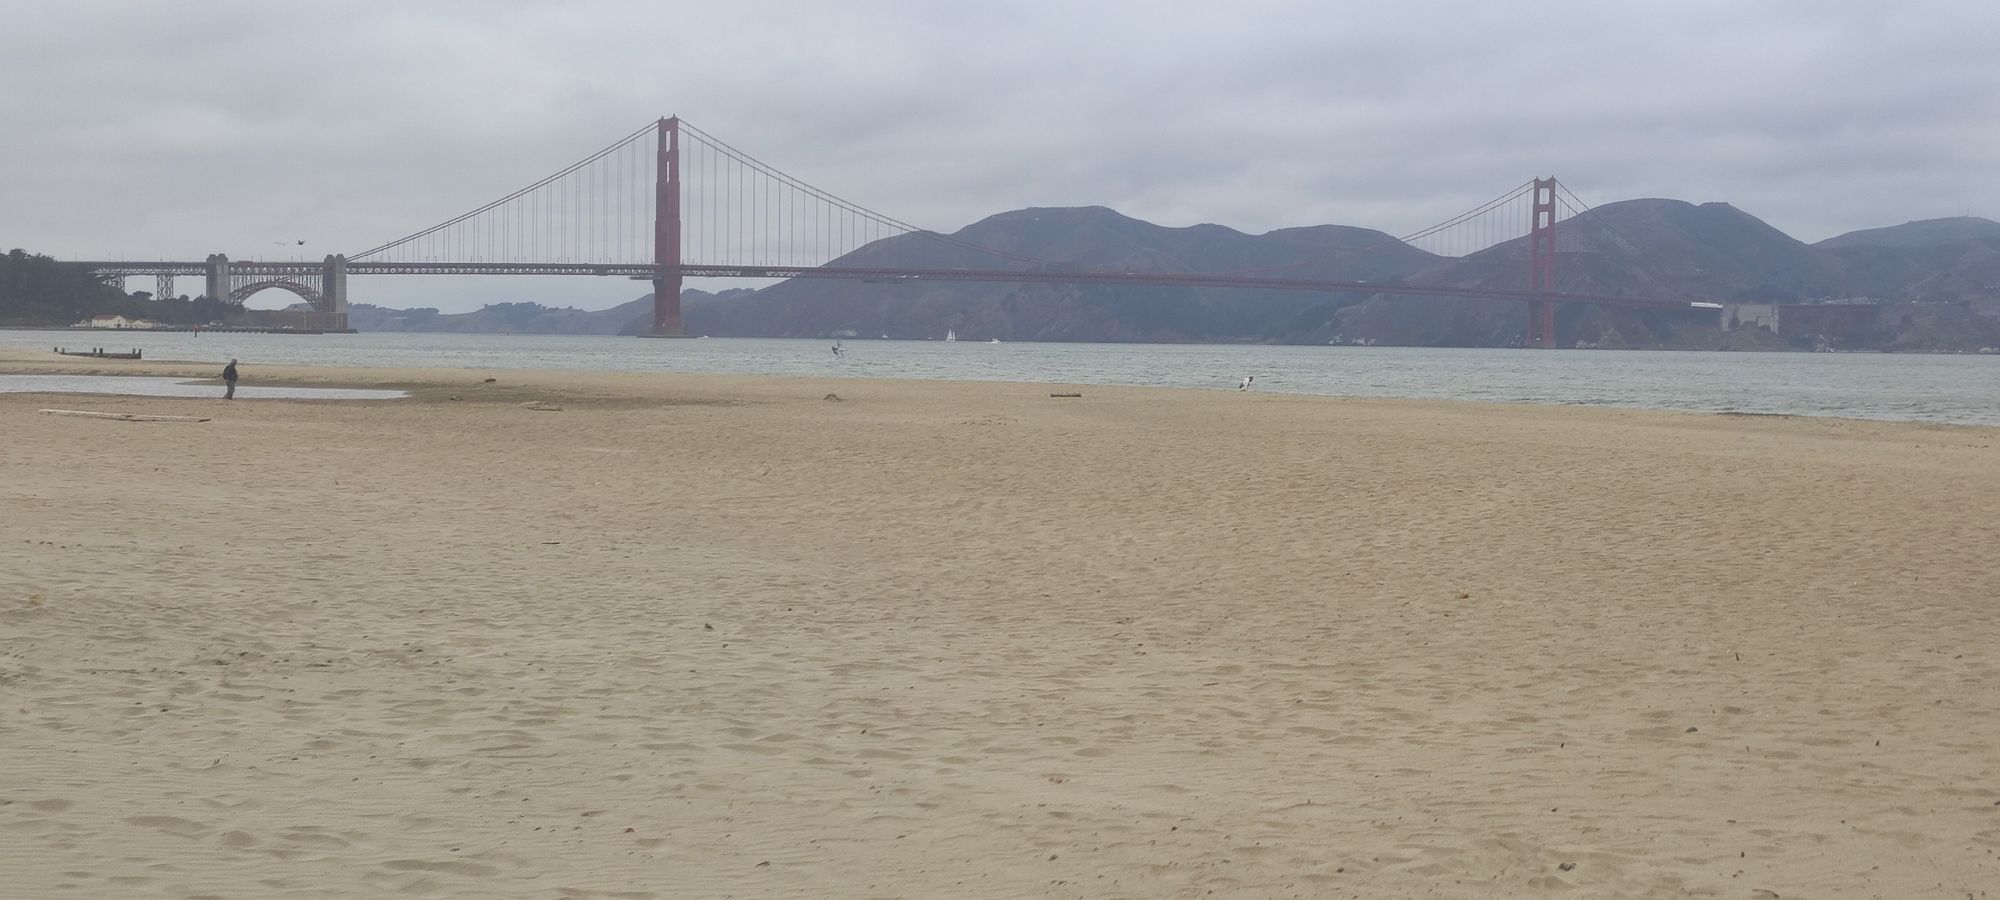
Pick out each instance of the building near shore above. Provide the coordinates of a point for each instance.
(118, 322)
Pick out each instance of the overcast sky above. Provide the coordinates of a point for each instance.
(149, 130)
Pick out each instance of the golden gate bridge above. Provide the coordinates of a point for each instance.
(669, 202)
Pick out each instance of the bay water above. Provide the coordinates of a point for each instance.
(1958, 389)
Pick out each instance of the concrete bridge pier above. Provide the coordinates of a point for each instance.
(218, 286)
(333, 289)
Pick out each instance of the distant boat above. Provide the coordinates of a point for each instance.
(950, 335)
(994, 341)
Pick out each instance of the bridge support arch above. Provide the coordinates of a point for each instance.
(253, 287)
(322, 285)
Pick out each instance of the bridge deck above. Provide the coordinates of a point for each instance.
(888, 274)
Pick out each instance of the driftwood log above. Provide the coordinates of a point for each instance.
(123, 417)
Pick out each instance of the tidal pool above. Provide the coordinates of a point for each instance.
(153, 386)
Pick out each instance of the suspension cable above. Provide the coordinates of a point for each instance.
(650, 126)
(1580, 208)
(1463, 217)
(853, 208)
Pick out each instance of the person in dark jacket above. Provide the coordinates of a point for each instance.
(229, 378)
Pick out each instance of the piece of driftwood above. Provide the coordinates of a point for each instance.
(123, 417)
(1065, 395)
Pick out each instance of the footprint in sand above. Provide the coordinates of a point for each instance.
(312, 836)
(760, 749)
(170, 825)
(454, 866)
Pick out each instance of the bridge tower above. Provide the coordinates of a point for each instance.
(667, 232)
(1542, 265)
(333, 290)
(218, 286)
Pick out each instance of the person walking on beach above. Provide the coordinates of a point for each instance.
(229, 379)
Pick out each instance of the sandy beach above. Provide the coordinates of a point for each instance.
(565, 635)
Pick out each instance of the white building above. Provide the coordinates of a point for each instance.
(115, 322)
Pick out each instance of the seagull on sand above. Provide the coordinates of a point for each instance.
(1247, 379)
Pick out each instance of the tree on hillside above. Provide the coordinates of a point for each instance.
(37, 290)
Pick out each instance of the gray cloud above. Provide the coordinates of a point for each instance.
(154, 130)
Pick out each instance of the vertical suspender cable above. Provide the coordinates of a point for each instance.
(729, 205)
(624, 195)
(745, 188)
(708, 220)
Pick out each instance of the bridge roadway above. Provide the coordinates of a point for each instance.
(646, 271)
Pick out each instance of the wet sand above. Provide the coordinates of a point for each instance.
(588, 635)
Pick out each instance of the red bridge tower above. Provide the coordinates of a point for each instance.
(667, 232)
(1542, 266)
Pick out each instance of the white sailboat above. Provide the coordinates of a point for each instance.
(950, 335)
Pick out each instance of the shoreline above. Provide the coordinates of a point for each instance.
(581, 385)
(1888, 351)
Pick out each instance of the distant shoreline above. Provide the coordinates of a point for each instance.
(183, 330)
(1853, 387)
(70, 329)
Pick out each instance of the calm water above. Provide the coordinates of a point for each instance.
(1959, 388)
